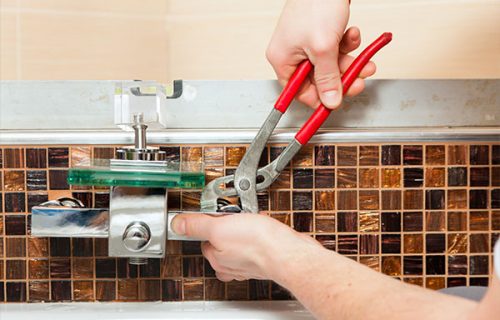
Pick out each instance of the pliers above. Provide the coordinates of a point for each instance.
(245, 177)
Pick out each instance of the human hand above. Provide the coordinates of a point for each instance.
(314, 30)
(245, 246)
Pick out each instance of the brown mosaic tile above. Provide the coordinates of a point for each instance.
(457, 221)
(479, 177)
(347, 222)
(103, 153)
(495, 220)
(413, 243)
(347, 156)
(391, 243)
(303, 221)
(15, 291)
(13, 158)
(457, 243)
(60, 268)
(15, 225)
(215, 289)
(324, 155)
(495, 176)
(457, 265)
(325, 222)
(190, 201)
(347, 200)
(324, 200)
(457, 154)
(234, 155)
(83, 290)
(213, 156)
(457, 199)
(369, 156)
(128, 289)
(369, 221)
(237, 290)
(478, 243)
(435, 265)
(15, 202)
(323, 178)
(495, 154)
(83, 268)
(80, 156)
(304, 157)
(478, 199)
(368, 244)
(302, 200)
(149, 290)
(435, 221)
(15, 269)
(192, 158)
(283, 218)
(391, 265)
(371, 262)
(435, 242)
(412, 265)
(415, 281)
(14, 180)
(369, 178)
(391, 178)
(369, 200)
(391, 155)
(435, 155)
(412, 221)
(479, 154)
(39, 291)
(457, 176)
(171, 290)
(391, 222)
(106, 291)
(479, 265)
(15, 247)
(259, 289)
(346, 178)
(412, 155)
(347, 244)
(36, 180)
(303, 178)
(58, 157)
(391, 200)
(434, 199)
(435, 283)
(193, 289)
(435, 177)
(38, 268)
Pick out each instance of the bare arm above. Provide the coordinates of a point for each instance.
(252, 246)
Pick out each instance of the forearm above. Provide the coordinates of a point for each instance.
(332, 286)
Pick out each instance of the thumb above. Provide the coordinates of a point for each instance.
(327, 77)
(193, 225)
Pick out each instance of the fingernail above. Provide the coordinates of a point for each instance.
(331, 98)
(179, 226)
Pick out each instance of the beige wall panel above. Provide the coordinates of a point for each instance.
(133, 7)
(72, 46)
(8, 46)
(432, 39)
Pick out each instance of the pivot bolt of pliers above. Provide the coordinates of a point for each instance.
(244, 184)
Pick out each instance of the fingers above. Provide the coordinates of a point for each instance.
(198, 226)
(350, 41)
(324, 57)
(346, 60)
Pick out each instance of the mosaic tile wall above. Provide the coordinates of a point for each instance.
(427, 214)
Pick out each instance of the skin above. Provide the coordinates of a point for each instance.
(255, 246)
(316, 30)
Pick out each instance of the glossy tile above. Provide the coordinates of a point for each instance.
(479, 154)
(413, 265)
(412, 221)
(391, 243)
(457, 199)
(479, 177)
(13, 180)
(435, 221)
(457, 221)
(413, 243)
(39, 291)
(412, 155)
(327, 241)
(435, 177)
(391, 155)
(391, 200)
(391, 265)
(391, 178)
(324, 222)
(347, 156)
(369, 155)
(303, 178)
(457, 154)
(83, 290)
(435, 243)
(457, 243)
(215, 289)
(346, 178)
(369, 200)
(368, 244)
(234, 155)
(369, 221)
(304, 157)
(369, 178)
(347, 200)
(324, 155)
(302, 200)
(323, 178)
(303, 221)
(413, 177)
(347, 221)
(13, 158)
(324, 200)
(391, 222)
(58, 157)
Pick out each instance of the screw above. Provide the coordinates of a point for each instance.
(244, 184)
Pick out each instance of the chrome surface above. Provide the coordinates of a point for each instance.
(245, 177)
(104, 105)
(139, 131)
(197, 136)
(133, 206)
(61, 221)
(137, 236)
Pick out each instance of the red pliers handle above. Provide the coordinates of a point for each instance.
(321, 114)
(245, 177)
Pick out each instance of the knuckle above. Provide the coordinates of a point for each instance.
(326, 78)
